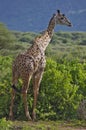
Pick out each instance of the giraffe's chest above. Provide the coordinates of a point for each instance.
(37, 53)
(39, 61)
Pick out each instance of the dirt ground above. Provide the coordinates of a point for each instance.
(70, 128)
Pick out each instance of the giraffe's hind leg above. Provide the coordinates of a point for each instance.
(25, 86)
(14, 83)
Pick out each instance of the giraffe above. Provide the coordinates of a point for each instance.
(30, 64)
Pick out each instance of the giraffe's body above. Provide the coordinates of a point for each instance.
(31, 64)
(33, 59)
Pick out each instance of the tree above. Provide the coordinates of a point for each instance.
(6, 37)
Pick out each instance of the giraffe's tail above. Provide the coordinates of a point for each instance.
(16, 89)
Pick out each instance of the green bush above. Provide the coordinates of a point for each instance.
(61, 90)
(5, 125)
(58, 94)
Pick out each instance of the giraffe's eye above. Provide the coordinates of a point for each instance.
(62, 18)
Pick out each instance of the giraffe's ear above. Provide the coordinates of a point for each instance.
(63, 14)
(58, 11)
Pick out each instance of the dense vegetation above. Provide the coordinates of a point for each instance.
(62, 88)
(64, 82)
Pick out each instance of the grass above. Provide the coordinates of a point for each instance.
(42, 125)
(49, 125)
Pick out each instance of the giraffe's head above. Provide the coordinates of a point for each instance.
(62, 19)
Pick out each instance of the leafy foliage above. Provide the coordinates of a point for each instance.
(5, 125)
(62, 88)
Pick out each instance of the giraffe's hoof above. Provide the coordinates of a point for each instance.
(34, 118)
(28, 116)
(29, 119)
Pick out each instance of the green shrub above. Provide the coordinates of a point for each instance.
(5, 125)
(61, 90)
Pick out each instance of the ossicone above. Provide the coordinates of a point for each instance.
(58, 11)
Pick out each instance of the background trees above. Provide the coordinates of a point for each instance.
(6, 37)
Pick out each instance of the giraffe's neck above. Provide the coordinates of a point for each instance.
(45, 38)
(51, 26)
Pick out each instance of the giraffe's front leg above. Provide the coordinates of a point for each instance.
(36, 83)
